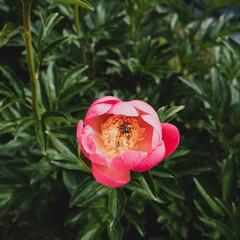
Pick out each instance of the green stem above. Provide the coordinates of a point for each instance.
(26, 4)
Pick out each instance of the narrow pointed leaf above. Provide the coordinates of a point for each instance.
(63, 132)
(229, 179)
(81, 3)
(9, 31)
(145, 178)
(116, 204)
(208, 197)
(41, 135)
(25, 123)
(116, 233)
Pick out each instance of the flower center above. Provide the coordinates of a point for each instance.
(120, 133)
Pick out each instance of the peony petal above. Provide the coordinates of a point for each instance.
(88, 147)
(155, 123)
(97, 110)
(124, 108)
(106, 99)
(152, 160)
(171, 137)
(109, 177)
(127, 161)
(144, 108)
(79, 129)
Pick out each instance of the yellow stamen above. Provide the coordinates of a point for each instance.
(120, 133)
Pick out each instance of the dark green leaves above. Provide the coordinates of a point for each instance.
(208, 194)
(229, 179)
(145, 178)
(88, 191)
(166, 115)
(9, 31)
(116, 205)
(81, 3)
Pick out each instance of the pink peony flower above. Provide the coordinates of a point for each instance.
(121, 136)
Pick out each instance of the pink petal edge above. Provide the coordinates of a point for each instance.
(109, 177)
(152, 160)
(79, 129)
(128, 160)
(144, 107)
(106, 99)
(97, 110)
(124, 108)
(88, 147)
(171, 138)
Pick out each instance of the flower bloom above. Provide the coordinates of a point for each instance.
(119, 136)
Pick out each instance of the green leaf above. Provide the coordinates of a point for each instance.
(208, 194)
(221, 92)
(232, 45)
(7, 102)
(116, 205)
(52, 46)
(77, 88)
(171, 187)
(179, 152)
(116, 233)
(83, 215)
(138, 188)
(14, 81)
(87, 191)
(25, 123)
(167, 115)
(72, 179)
(188, 166)
(55, 116)
(63, 132)
(195, 85)
(229, 179)
(43, 169)
(4, 90)
(134, 218)
(71, 75)
(91, 231)
(9, 31)
(47, 26)
(40, 130)
(68, 149)
(219, 226)
(145, 178)
(81, 3)
(162, 172)
(69, 164)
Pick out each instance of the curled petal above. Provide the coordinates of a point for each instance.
(155, 123)
(127, 160)
(152, 160)
(144, 108)
(124, 108)
(106, 99)
(97, 110)
(109, 177)
(88, 147)
(171, 137)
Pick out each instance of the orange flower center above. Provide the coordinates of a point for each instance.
(121, 133)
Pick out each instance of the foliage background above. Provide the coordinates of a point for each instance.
(165, 52)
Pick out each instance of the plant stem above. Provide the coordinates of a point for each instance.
(26, 4)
